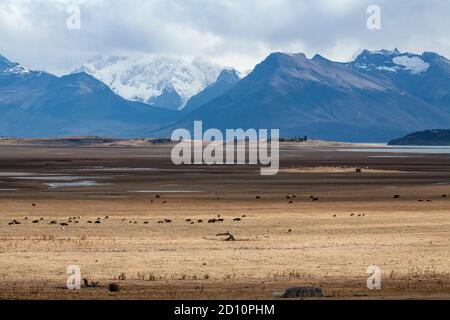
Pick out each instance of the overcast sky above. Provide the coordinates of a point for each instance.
(238, 33)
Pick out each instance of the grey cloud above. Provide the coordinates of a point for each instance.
(232, 32)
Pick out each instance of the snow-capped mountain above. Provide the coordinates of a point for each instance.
(426, 76)
(381, 94)
(391, 61)
(39, 104)
(166, 82)
(8, 67)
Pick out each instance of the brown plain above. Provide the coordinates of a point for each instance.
(283, 238)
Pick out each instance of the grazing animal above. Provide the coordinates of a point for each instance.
(33, 204)
(167, 221)
(288, 197)
(352, 215)
(164, 202)
(107, 217)
(258, 197)
(145, 222)
(302, 292)
(212, 221)
(334, 216)
(290, 230)
(237, 219)
(90, 284)
(188, 220)
(159, 222)
(444, 196)
(157, 196)
(200, 221)
(220, 220)
(89, 221)
(35, 221)
(192, 222)
(291, 202)
(63, 224)
(244, 216)
(397, 196)
(53, 222)
(315, 199)
(97, 222)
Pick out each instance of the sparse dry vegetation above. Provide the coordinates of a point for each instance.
(327, 243)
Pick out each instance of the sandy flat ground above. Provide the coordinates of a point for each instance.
(280, 242)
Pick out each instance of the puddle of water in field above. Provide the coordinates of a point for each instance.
(17, 174)
(119, 169)
(55, 178)
(165, 191)
(57, 185)
(392, 157)
(404, 149)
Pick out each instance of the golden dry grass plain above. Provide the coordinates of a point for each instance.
(280, 242)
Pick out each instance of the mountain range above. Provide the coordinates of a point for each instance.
(39, 104)
(161, 81)
(378, 96)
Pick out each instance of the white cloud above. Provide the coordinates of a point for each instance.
(232, 32)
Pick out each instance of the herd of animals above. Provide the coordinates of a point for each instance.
(76, 219)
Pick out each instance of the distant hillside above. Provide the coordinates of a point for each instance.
(438, 137)
(330, 100)
(36, 104)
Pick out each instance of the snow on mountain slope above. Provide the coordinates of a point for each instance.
(391, 61)
(162, 81)
(8, 67)
(415, 65)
